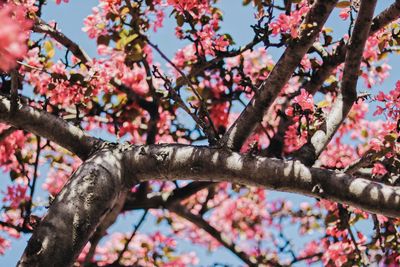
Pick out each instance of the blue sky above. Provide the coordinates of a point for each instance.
(237, 21)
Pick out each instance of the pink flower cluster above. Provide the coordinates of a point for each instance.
(338, 155)
(4, 244)
(154, 249)
(59, 1)
(95, 24)
(301, 109)
(290, 23)
(14, 32)
(391, 103)
(8, 148)
(15, 195)
(188, 5)
(304, 100)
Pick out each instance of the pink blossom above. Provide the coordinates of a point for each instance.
(294, 140)
(4, 244)
(14, 32)
(392, 102)
(344, 13)
(379, 169)
(188, 5)
(289, 23)
(8, 148)
(158, 23)
(95, 24)
(338, 155)
(59, 1)
(305, 100)
(16, 195)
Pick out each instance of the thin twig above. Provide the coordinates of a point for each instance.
(190, 84)
(14, 91)
(33, 182)
(132, 236)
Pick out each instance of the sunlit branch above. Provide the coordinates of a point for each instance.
(280, 75)
(348, 88)
(95, 188)
(330, 63)
(181, 162)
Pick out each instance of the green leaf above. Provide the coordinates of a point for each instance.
(131, 38)
(390, 238)
(49, 48)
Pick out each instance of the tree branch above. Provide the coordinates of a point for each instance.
(348, 93)
(41, 26)
(89, 196)
(329, 65)
(379, 22)
(280, 75)
(136, 201)
(385, 17)
(180, 162)
(203, 224)
(48, 126)
(96, 186)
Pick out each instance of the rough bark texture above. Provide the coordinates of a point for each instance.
(85, 200)
(180, 162)
(96, 186)
(94, 191)
(385, 17)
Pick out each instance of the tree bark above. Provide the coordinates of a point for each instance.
(85, 200)
(50, 127)
(96, 186)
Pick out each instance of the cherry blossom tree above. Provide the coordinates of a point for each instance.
(196, 140)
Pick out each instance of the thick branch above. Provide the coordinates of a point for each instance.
(280, 75)
(379, 22)
(385, 17)
(348, 93)
(95, 187)
(329, 65)
(180, 162)
(48, 126)
(88, 197)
